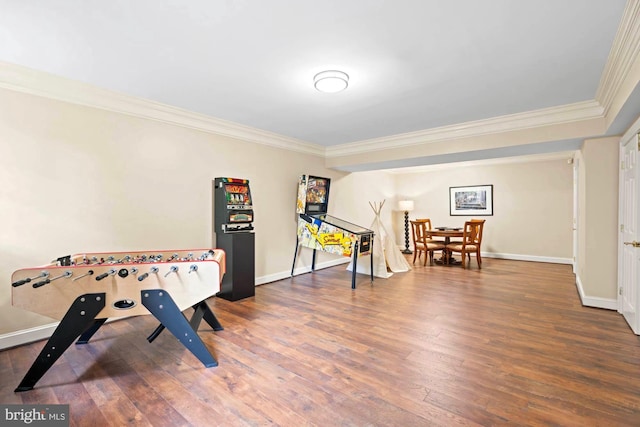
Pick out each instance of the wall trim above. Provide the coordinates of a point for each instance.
(532, 258)
(595, 302)
(25, 336)
(39, 83)
(307, 269)
(569, 113)
(300, 270)
(520, 257)
(623, 53)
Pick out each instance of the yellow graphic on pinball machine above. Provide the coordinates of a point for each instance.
(331, 239)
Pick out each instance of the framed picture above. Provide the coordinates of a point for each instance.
(475, 200)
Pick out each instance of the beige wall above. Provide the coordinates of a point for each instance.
(598, 218)
(532, 205)
(78, 179)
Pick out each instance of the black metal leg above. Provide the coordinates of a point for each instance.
(371, 257)
(157, 331)
(79, 318)
(162, 306)
(295, 255)
(313, 261)
(355, 266)
(202, 310)
(86, 335)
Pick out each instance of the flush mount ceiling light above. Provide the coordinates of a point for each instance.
(331, 81)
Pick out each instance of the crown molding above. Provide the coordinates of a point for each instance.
(26, 80)
(624, 51)
(632, 132)
(531, 119)
(34, 82)
(530, 158)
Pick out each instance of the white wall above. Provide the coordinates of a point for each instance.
(532, 205)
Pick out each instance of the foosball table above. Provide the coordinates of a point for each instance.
(84, 290)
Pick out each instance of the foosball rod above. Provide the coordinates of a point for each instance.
(67, 273)
(29, 279)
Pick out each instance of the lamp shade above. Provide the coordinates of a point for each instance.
(405, 205)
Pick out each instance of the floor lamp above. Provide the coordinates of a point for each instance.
(406, 206)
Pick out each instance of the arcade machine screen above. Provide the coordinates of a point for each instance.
(238, 198)
(317, 195)
(233, 205)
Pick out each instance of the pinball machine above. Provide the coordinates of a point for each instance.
(318, 230)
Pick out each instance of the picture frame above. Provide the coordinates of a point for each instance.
(474, 200)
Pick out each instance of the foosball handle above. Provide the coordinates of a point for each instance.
(21, 282)
(29, 279)
(42, 283)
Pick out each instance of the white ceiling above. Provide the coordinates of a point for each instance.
(413, 64)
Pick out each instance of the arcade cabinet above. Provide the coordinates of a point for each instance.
(319, 231)
(233, 227)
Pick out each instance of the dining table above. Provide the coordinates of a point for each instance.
(447, 233)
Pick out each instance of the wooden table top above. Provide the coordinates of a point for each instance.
(449, 232)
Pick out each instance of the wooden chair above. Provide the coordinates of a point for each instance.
(427, 223)
(422, 244)
(471, 242)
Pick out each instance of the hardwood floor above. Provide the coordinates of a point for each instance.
(439, 346)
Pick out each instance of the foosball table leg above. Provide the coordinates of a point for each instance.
(78, 319)
(86, 335)
(162, 307)
(155, 333)
(202, 311)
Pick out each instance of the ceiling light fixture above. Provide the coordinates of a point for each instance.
(331, 81)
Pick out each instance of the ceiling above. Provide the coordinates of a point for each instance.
(413, 64)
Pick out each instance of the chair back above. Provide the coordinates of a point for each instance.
(427, 222)
(418, 231)
(473, 232)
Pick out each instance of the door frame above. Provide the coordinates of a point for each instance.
(631, 135)
(576, 209)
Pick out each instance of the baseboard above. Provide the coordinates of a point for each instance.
(25, 336)
(595, 302)
(520, 257)
(300, 270)
(532, 258)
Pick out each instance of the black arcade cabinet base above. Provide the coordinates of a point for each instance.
(239, 281)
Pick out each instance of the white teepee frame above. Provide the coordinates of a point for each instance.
(387, 257)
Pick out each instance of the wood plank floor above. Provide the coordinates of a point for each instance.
(439, 346)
